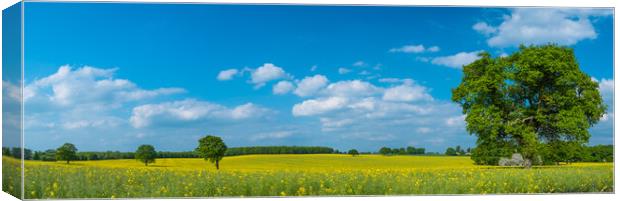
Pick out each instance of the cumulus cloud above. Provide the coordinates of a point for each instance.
(227, 74)
(265, 73)
(484, 28)
(351, 88)
(319, 106)
(606, 87)
(310, 85)
(602, 132)
(408, 91)
(415, 49)
(84, 101)
(87, 84)
(541, 26)
(355, 109)
(456, 121)
(343, 70)
(359, 63)
(458, 60)
(283, 87)
(11, 92)
(191, 110)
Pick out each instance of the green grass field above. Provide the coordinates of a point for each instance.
(299, 175)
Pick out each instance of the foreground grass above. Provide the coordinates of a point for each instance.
(299, 175)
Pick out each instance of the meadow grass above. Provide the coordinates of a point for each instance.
(300, 175)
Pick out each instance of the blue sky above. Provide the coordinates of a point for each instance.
(114, 76)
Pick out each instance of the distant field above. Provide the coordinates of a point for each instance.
(299, 175)
(319, 162)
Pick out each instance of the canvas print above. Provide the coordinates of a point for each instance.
(150, 100)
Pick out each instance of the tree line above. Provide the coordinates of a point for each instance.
(457, 151)
(50, 154)
(554, 155)
(402, 151)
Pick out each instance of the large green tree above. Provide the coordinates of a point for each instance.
(522, 102)
(212, 148)
(66, 152)
(146, 154)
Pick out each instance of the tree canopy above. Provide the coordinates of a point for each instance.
(146, 154)
(212, 148)
(353, 152)
(66, 152)
(526, 101)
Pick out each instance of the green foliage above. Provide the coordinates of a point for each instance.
(533, 97)
(598, 153)
(66, 152)
(451, 151)
(353, 152)
(211, 148)
(6, 151)
(146, 154)
(385, 151)
(402, 151)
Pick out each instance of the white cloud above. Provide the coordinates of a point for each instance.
(484, 28)
(313, 68)
(415, 49)
(227, 74)
(351, 88)
(395, 80)
(11, 92)
(424, 130)
(319, 106)
(272, 135)
(433, 49)
(456, 121)
(283, 87)
(89, 85)
(343, 70)
(100, 123)
(359, 63)
(457, 60)
(310, 85)
(191, 110)
(245, 111)
(606, 87)
(541, 26)
(329, 124)
(407, 92)
(266, 73)
(354, 109)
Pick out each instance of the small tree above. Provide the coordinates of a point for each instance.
(146, 154)
(212, 148)
(450, 151)
(385, 151)
(353, 152)
(66, 152)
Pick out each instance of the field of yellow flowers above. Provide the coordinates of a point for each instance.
(301, 175)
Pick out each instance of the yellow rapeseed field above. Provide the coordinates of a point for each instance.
(301, 175)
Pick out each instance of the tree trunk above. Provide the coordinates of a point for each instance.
(67, 161)
(217, 165)
(146, 163)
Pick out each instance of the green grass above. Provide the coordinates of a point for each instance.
(299, 175)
